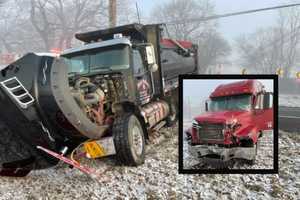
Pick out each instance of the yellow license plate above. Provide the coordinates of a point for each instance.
(94, 149)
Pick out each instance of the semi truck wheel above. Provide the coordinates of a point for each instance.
(129, 140)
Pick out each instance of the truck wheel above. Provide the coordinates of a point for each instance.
(172, 117)
(129, 140)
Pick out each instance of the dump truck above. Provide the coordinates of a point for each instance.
(108, 94)
(237, 115)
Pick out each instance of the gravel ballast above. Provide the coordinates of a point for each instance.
(158, 179)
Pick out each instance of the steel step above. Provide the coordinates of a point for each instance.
(17, 92)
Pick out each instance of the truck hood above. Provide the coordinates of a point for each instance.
(222, 116)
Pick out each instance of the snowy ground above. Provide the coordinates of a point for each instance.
(264, 158)
(289, 100)
(158, 179)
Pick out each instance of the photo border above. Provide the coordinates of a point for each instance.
(181, 170)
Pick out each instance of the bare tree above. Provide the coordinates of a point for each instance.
(178, 10)
(57, 21)
(213, 48)
(273, 47)
(39, 25)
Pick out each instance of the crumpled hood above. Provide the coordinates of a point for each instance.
(222, 116)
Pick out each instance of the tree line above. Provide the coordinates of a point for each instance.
(40, 25)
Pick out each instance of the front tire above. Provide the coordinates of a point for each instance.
(129, 140)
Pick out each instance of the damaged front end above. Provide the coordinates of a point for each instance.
(42, 106)
(220, 141)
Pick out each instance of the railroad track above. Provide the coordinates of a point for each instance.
(289, 119)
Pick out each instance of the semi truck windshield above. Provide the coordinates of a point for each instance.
(112, 58)
(239, 102)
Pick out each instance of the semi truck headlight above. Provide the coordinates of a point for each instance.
(231, 123)
(195, 124)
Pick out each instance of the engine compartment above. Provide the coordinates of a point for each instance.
(95, 95)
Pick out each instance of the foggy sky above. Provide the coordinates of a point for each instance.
(232, 27)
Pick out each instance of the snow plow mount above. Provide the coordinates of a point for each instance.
(89, 149)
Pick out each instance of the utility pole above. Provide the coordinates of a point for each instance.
(112, 13)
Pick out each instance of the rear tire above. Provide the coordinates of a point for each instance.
(129, 140)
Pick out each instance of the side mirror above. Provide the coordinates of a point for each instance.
(150, 55)
(268, 100)
(206, 106)
(153, 68)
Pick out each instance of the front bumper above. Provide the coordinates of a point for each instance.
(225, 154)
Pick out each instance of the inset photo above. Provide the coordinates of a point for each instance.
(228, 124)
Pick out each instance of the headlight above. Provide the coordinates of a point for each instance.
(195, 122)
(230, 124)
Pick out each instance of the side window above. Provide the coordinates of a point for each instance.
(268, 101)
(138, 66)
(259, 102)
(271, 103)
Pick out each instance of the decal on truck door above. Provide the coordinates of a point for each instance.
(144, 91)
(142, 76)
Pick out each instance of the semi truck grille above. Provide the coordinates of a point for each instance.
(210, 132)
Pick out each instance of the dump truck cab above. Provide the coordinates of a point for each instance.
(236, 116)
(116, 56)
(114, 91)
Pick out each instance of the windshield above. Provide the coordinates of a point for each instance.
(239, 102)
(112, 58)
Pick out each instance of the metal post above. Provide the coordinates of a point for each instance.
(112, 13)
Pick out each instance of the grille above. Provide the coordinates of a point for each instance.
(210, 132)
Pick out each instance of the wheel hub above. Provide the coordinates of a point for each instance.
(137, 141)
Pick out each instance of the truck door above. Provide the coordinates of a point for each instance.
(143, 78)
(264, 111)
(268, 113)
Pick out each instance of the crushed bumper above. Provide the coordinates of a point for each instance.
(225, 154)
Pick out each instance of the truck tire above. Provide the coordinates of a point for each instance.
(129, 140)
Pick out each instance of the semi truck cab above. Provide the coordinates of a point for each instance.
(237, 114)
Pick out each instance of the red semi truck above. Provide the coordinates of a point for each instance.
(236, 116)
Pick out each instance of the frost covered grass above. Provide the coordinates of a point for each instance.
(158, 179)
